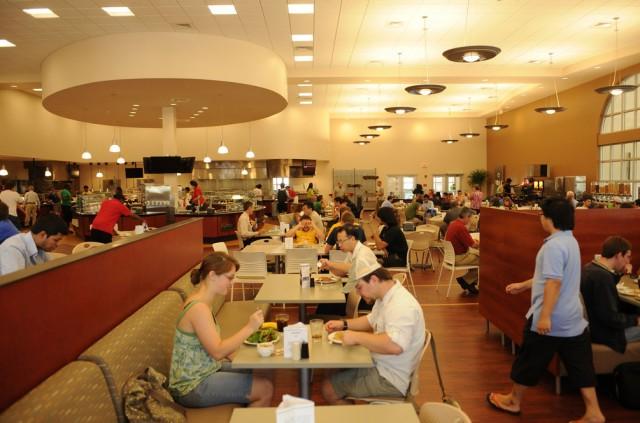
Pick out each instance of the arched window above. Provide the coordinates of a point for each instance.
(623, 111)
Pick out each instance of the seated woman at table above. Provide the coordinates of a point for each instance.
(304, 233)
(198, 376)
(391, 239)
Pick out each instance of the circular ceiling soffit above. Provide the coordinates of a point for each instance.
(126, 80)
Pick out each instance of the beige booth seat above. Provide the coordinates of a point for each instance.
(77, 392)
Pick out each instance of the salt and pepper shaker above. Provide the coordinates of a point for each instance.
(304, 350)
(296, 348)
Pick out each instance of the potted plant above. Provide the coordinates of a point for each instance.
(477, 177)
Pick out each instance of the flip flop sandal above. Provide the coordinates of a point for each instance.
(495, 406)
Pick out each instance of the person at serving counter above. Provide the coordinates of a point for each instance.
(110, 212)
(197, 198)
(555, 322)
(247, 226)
(199, 376)
(571, 197)
(282, 197)
(31, 206)
(30, 248)
(608, 323)
(394, 332)
(257, 192)
(304, 233)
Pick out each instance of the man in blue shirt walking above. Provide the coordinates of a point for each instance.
(555, 322)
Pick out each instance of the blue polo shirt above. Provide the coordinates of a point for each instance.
(559, 258)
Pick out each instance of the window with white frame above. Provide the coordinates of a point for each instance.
(446, 183)
(401, 186)
(619, 164)
(277, 181)
(623, 111)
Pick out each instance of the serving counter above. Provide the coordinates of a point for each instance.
(153, 219)
(221, 224)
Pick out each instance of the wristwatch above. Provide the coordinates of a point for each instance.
(345, 325)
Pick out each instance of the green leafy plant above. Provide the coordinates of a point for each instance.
(477, 177)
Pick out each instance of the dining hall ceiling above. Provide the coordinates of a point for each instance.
(355, 71)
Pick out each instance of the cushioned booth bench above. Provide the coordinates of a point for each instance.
(90, 388)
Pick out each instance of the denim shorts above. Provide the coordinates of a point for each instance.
(221, 387)
(363, 383)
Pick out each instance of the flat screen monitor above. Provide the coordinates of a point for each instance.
(161, 164)
(308, 167)
(186, 164)
(133, 172)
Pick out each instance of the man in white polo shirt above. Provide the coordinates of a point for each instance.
(393, 332)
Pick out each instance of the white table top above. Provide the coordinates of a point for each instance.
(404, 413)
(322, 355)
(275, 249)
(282, 288)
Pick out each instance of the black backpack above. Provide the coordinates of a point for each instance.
(627, 380)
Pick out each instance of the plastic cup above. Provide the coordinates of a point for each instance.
(282, 320)
(317, 327)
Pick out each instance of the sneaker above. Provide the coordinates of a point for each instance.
(473, 289)
(463, 284)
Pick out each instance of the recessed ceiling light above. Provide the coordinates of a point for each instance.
(37, 89)
(565, 77)
(303, 58)
(14, 86)
(6, 43)
(118, 11)
(305, 85)
(306, 102)
(301, 37)
(222, 9)
(205, 108)
(300, 9)
(172, 104)
(596, 67)
(135, 105)
(41, 13)
(305, 94)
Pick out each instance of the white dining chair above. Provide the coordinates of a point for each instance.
(421, 246)
(220, 247)
(407, 268)
(252, 266)
(293, 258)
(449, 263)
(439, 412)
(83, 246)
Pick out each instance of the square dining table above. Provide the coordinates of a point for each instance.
(322, 355)
(382, 413)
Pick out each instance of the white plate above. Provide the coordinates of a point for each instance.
(326, 279)
(256, 343)
(332, 338)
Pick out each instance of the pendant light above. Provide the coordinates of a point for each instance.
(47, 172)
(469, 133)
(616, 89)
(450, 139)
(121, 159)
(114, 147)
(85, 151)
(99, 174)
(470, 54)
(244, 171)
(250, 154)
(496, 126)
(379, 127)
(552, 109)
(361, 142)
(3, 171)
(369, 136)
(425, 89)
(400, 110)
(222, 149)
(207, 158)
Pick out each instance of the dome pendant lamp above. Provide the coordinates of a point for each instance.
(207, 158)
(552, 110)
(86, 155)
(615, 89)
(250, 154)
(425, 89)
(222, 149)
(470, 54)
(114, 147)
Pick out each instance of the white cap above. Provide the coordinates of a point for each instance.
(365, 266)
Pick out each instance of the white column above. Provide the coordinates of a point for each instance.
(170, 146)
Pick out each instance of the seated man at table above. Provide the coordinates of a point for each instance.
(304, 233)
(347, 218)
(387, 202)
(608, 323)
(459, 236)
(393, 332)
(247, 226)
(411, 211)
(307, 210)
(30, 248)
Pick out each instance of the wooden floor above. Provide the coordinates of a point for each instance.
(472, 362)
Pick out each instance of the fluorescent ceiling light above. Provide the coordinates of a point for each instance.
(301, 37)
(36, 89)
(305, 94)
(118, 11)
(303, 58)
(305, 85)
(6, 43)
(222, 9)
(300, 9)
(41, 13)
(306, 102)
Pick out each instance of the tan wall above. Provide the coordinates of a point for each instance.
(410, 147)
(567, 141)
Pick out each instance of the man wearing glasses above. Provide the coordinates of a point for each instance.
(347, 240)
